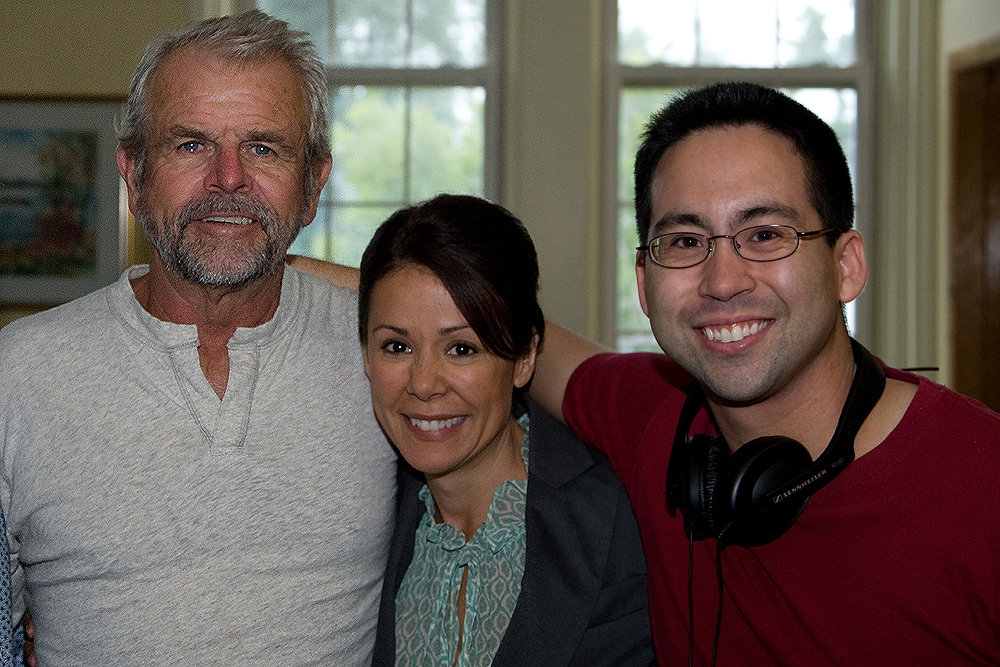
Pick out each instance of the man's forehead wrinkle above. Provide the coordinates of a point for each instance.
(286, 138)
(670, 220)
(165, 136)
(771, 208)
(744, 216)
(265, 135)
(186, 131)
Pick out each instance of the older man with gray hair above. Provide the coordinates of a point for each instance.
(190, 469)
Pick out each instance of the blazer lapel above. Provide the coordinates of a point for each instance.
(409, 509)
(569, 522)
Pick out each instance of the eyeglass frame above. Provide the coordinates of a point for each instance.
(732, 237)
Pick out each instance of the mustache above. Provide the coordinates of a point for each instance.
(235, 204)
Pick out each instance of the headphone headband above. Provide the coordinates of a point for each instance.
(752, 496)
(866, 390)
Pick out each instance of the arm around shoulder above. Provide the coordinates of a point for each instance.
(338, 274)
(562, 352)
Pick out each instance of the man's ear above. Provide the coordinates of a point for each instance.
(321, 173)
(851, 264)
(126, 167)
(640, 279)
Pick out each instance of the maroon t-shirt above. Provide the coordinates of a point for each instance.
(895, 561)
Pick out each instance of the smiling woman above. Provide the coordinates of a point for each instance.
(443, 398)
(497, 497)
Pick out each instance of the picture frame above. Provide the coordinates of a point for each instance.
(63, 216)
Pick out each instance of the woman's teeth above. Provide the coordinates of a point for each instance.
(435, 424)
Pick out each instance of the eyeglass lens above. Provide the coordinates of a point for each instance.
(759, 244)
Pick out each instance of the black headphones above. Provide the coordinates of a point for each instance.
(754, 496)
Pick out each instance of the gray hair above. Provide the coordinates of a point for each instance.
(249, 37)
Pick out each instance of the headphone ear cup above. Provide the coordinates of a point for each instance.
(755, 470)
(707, 463)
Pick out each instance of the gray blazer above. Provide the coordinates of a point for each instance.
(583, 595)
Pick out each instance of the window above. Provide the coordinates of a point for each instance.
(414, 87)
(808, 48)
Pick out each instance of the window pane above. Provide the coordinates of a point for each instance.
(839, 109)
(369, 135)
(313, 240)
(633, 326)
(351, 230)
(816, 32)
(397, 33)
(424, 140)
(340, 233)
(636, 105)
(735, 33)
(394, 141)
(448, 32)
(369, 33)
(656, 32)
(447, 141)
(739, 34)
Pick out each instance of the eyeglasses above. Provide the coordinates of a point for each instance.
(765, 243)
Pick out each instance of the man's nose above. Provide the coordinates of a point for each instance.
(227, 171)
(725, 273)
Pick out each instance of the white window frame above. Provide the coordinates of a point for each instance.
(487, 76)
(902, 315)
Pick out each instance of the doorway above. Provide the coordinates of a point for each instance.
(975, 222)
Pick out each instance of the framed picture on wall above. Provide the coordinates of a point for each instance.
(61, 220)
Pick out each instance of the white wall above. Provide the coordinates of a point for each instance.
(966, 23)
(552, 136)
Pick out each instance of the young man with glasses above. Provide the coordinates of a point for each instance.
(763, 402)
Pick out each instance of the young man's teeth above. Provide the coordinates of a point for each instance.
(233, 220)
(734, 333)
(435, 424)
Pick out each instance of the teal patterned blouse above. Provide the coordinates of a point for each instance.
(427, 630)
